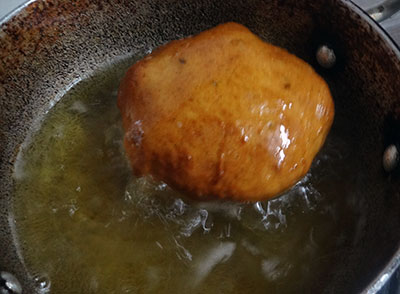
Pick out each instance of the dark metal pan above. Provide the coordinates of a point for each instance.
(48, 46)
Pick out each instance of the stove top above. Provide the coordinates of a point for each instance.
(393, 285)
(392, 24)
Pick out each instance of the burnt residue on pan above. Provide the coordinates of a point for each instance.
(51, 45)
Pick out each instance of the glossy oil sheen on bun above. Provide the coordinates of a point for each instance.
(224, 114)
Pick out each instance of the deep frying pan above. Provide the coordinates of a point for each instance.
(48, 46)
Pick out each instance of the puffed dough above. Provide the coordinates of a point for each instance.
(224, 114)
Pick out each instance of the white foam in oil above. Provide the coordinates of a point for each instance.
(87, 226)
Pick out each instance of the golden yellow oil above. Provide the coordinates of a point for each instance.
(86, 225)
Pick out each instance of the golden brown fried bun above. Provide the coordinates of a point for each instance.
(224, 114)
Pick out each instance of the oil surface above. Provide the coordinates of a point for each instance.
(86, 225)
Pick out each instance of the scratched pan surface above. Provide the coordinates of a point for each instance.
(50, 45)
